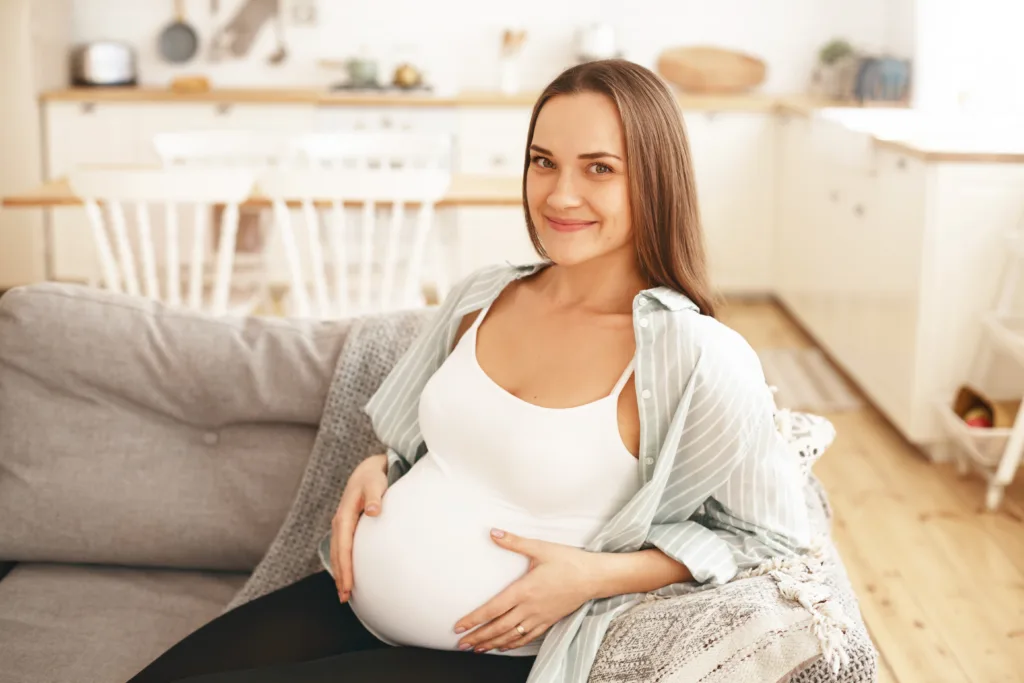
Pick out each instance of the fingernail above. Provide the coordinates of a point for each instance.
(372, 509)
(502, 649)
(497, 533)
(481, 650)
(465, 646)
(460, 629)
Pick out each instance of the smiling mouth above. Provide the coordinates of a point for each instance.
(568, 224)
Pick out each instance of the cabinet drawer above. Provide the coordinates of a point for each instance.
(416, 119)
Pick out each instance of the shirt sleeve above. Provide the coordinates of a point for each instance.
(736, 496)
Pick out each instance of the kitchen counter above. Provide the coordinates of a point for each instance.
(757, 102)
(930, 137)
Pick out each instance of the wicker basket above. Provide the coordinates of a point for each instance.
(712, 70)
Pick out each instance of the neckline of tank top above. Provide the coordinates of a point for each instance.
(613, 396)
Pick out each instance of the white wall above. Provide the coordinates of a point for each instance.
(970, 56)
(458, 39)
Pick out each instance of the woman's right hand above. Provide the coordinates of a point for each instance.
(363, 494)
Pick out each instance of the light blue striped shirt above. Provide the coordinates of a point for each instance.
(720, 491)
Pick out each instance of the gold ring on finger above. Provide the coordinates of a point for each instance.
(522, 631)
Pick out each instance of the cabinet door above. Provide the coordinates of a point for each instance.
(793, 230)
(733, 155)
(490, 235)
(80, 134)
(272, 118)
(492, 140)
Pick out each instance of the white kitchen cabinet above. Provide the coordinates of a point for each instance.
(889, 260)
(491, 141)
(794, 251)
(733, 157)
(76, 134)
(397, 118)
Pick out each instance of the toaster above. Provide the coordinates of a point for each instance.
(103, 63)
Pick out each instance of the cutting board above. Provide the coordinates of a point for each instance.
(709, 69)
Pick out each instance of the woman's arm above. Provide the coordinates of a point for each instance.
(639, 572)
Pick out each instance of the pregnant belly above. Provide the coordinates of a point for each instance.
(428, 560)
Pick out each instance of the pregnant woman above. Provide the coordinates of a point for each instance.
(563, 438)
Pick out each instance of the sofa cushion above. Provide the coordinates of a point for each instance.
(136, 434)
(95, 624)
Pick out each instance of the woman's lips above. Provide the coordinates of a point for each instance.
(568, 224)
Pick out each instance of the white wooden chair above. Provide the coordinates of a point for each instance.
(223, 148)
(389, 268)
(132, 264)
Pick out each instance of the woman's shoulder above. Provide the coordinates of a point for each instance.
(719, 347)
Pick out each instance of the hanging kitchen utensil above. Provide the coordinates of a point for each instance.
(281, 53)
(178, 41)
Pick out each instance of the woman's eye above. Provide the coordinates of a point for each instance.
(542, 162)
(602, 169)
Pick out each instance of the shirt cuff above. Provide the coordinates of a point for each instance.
(708, 557)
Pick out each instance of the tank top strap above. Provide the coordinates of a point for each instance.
(479, 319)
(624, 378)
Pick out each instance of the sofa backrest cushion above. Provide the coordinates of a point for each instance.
(133, 433)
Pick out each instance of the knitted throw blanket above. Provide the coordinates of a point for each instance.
(794, 620)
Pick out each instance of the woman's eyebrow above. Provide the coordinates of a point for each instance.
(588, 155)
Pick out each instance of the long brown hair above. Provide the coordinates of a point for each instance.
(662, 194)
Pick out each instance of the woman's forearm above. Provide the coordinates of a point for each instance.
(637, 572)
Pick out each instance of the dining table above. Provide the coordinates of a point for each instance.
(466, 190)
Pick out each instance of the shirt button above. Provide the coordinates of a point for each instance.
(210, 438)
(644, 322)
(646, 393)
(649, 461)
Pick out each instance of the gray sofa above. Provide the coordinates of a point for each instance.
(148, 457)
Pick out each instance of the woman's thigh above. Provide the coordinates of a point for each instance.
(388, 665)
(298, 623)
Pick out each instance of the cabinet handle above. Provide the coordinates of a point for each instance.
(834, 196)
(359, 125)
(858, 209)
(711, 116)
(88, 107)
(901, 163)
(385, 122)
(498, 160)
(223, 109)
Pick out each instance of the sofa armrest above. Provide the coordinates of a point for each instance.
(6, 566)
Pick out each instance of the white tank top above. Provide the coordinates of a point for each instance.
(493, 460)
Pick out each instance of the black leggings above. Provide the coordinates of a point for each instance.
(304, 634)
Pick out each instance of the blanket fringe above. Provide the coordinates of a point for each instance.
(801, 579)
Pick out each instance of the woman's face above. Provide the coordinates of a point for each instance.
(576, 185)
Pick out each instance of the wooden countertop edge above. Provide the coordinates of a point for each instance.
(741, 102)
(945, 156)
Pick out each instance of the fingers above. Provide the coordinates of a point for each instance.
(343, 527)
(496, 633)
(529, 547)
(521, 641)
(374, 494)
(489, 611)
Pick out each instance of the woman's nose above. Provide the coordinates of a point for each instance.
(564, 194)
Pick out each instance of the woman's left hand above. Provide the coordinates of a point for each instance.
(559, 580)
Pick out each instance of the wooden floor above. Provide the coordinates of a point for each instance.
(940, 581)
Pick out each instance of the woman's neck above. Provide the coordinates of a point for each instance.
(606, 284)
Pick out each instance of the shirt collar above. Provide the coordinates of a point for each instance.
(667, 297)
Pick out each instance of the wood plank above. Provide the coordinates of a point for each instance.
(940, 581)
(893, 613)
(909, 551)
